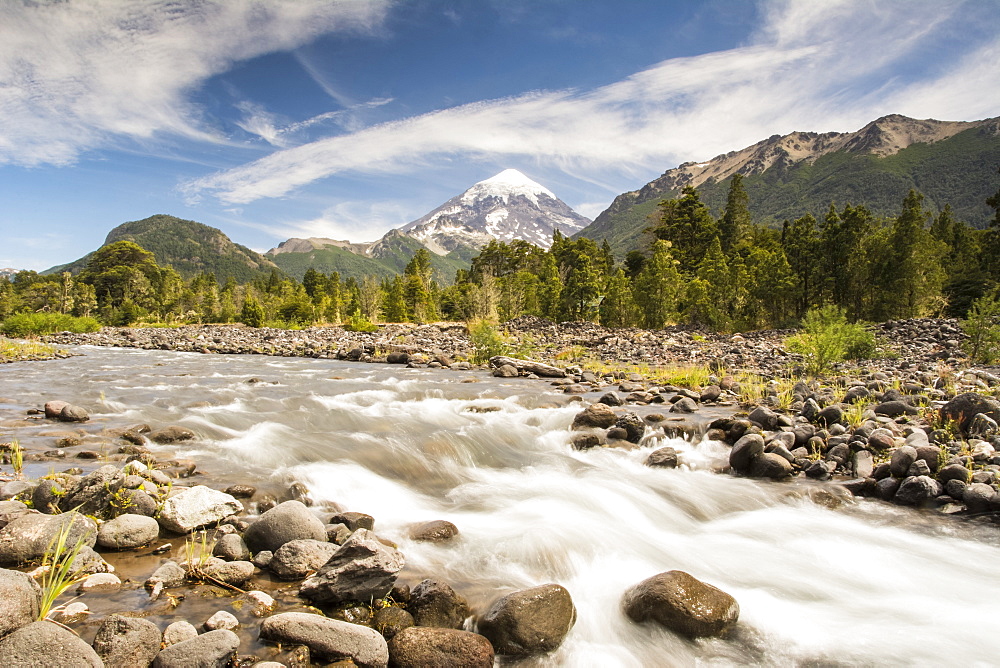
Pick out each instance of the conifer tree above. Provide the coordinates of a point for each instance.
(619, 308)
(735, 223)
(657, 287)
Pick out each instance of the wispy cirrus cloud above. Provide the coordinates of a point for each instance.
(809, 66)
(85, 73)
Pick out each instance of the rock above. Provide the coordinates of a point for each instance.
(681, 603)
(887, 487)
(977, 496)
(173, 434)
(260, 603)
(418, 647)
(70, 413)
(398, 358)
(611, 399)
(665, 457)
(287, 521)
(964, 408)
(214, 649)
(329, 638)
(632, 424)
(169, 574)
(771, 465)
(902, 458)
(127, 642)
(230, 572)
(983, 426)
(128, 531)
(390, 621)
(179, 632)
(71, 613)
(297, 558)
(241, 491)
(596, 415)
(830, 415)
(917, 491)
(362, 569)
(231, 548)
(435, 531)
(53, 408)
(765, 417)
(530, 621)
(46, 645)
(434, 603)
(895, 409)
(10, 510)
(196, 507)
(881, 440)
(710, 393)
(262, 559)
(505, 371)
(586, 441)
(100, 582)
(954, 472)
(28, 537)
(745, 450)
(354, 520)
(222, 620)
(864, 464)
(21, 596)
(684, 405)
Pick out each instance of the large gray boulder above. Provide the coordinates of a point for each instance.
(681, 603)
(213, 649)
(745, 450)
(420, 647)
(597, 415)
(290, 520)
(128, 531)
(196, 507)
(10, 510)
(329, 638)
(964, 408)
(21, 596)
(46, 645)
(297, 558)
(28, 537)
(530, 621)
(362, 569)
(127, 642)
(434, 603)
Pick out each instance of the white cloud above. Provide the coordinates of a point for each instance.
(346, 220)
(79, 74)
(810, 66)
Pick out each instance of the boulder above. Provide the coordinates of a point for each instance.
(917, 490)
(684, 405)
(28, 537)
(71, 413)
(297, 558)
(196, 507)
(128, 531)
(168, 574)
(329, 638)
(363, 569)
(632, 424)
(230, 572)
(21, 596)
(231, 548)
(771, 465)
(597, 415)
(54, 407)
(964, 408)
(178, 632)
(765, 417)
(434, 603)
(214, 649)
(681, 603)
(665, 457)
(530, 621)
(830, 415)
(390, 621)
(173, 434)
(46, 645)
(745, 450)
(290, 520)
(127, 642)
(977, 497)
(954, 472)
(901, 460)
(435, 531)
(419, 647)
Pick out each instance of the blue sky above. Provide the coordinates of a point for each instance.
(273, 119)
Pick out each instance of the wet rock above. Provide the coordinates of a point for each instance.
(505, 371)
(435, 531)
(595, 416)
(179, 632)
(100, 582)
(902, 458)
(222, 620)
(53, 408)
(745, 450)
(127, 642)
(196, 507)
(611, 399)
(665, 457)
(633, 425)
(214, 649)
(354, 520)
(230, 572)
(46, 645)
(684, 405)
(260, 603)
(977, 497)
(710, 393)
(21, 597)
(241, 491)
(297, 558)
(586, 441)
(337, 533)
(362, 569)
(287, 521)
(772, 466)
(434, 603)
(954, 472)
(231, 548)
(28, 537)
(262, 559)
(172, 434)
(917, 491)
(70, 413)
(126, 532)
(681, 603)
(964, 408)
(390, 621)
(530, 621)
(887, 487)
(169, 574)
(329, 638)
(419, 647)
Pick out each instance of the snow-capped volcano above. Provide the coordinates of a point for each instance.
(506, 207)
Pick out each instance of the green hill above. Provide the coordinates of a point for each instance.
(329, 259)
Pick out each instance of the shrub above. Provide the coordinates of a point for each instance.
(827, 338)
(358, 323)
(39, 324)
(252, 313)
(487, 341)
(983, 344)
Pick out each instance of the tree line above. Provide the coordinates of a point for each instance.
(725, 273)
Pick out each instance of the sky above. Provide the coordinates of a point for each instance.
(272, 119)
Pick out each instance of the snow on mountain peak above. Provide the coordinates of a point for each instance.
(508, 183)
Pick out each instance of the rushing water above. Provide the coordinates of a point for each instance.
(859, 584)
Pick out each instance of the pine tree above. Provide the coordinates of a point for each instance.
(688, 225)
(735, 223)
(618, 308)
(657, 287)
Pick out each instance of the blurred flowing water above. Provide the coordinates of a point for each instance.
(860, 584)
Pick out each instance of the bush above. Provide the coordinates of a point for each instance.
(359, 323)
(827, 338)
(39, 324)
(486, 340)
(983, 344)
(252, 313)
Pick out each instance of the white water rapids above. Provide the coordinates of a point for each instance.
(862, 584)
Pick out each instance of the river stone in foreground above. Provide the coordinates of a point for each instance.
(330, 638)
(46, 645)
(363, 569)
(681, 603)
(287, 521)
(196, 507)
(531, 621)
(209, 650)
(126, 642)
(20, 596)
(128, 531)
(28, 537)
(297, 558)
(419, 647)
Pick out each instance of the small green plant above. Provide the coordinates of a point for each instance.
(983, 330)
(572, 354)
(119, 501)
(358, 323)
(855, 412)
(487, 341)
(58, 573)
(827, 338)
(197, 553)
(752, 388)
(692, 376)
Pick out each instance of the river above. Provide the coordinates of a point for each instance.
(861, 583)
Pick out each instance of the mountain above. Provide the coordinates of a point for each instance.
(950, 162)
(506, 207)
(189, 247)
